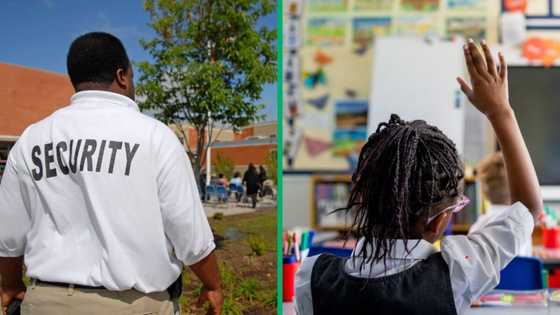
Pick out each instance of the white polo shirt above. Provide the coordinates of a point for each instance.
(99, 194)
(474, 260)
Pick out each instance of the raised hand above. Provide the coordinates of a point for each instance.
(489, 91)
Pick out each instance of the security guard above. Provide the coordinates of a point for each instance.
(100, 202)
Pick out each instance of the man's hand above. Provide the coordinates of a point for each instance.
(12, 287)
(489, 92)
(7, 295)
(215, 300)
(208, 272)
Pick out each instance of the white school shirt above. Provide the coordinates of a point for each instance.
(124, 212)
(474, 260)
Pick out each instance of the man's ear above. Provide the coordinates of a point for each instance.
(121, 78)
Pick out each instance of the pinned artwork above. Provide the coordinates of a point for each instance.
(367, 29)
(319, 102)
(351, 126)
(542, 50)
(312, 79)
(361, 50)
(466, 5)
(315, 146)
(351, 93)
(420, 5)
(373, 5)
(415, 25)
(467, 27)
(327, 5)
(322, 58)
(516, 5)
(326, 32)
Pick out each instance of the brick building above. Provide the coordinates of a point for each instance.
(29, 95)
(251, 144)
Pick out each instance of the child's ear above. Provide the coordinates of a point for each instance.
(438, 225)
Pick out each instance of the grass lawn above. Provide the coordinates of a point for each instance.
(247, 255)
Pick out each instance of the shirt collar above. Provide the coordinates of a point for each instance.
(418, 249)
(103, 96)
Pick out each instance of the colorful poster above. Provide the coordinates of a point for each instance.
(467, 27)
(466, 5)
(328, 5)
(420, 5)
(326, 32)
(351, 126)
(415, 25)
(367, 29)
(373, 5)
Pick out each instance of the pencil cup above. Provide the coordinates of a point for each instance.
(289, 268)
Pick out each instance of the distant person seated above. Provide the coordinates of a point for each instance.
(236, 185)
(236, 179)
(268, 188)
(222, 180)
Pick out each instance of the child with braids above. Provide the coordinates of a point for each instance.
(408, 184)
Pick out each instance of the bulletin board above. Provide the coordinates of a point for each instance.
(540, 14)
(328, 60)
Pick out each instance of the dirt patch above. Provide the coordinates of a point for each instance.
(249, 280)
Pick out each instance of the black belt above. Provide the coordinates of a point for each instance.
(67, 285)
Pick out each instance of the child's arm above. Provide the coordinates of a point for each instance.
(489, 94)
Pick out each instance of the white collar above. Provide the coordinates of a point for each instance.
(106, 96)
(418, 249)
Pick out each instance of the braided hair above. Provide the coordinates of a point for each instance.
(403, 170)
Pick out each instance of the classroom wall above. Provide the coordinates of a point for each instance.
(296, 192)
(349, 69)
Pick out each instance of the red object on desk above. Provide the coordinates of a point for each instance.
(554, 279)
(551, 237)
(289, 268)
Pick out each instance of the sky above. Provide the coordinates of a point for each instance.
(37, 33)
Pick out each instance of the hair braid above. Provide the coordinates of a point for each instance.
(403, 170)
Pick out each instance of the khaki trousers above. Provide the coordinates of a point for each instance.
(43, 299)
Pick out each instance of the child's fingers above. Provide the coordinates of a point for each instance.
(503, 66)
(489, 59)
(465, 87)
(470, 64)
(478, 61)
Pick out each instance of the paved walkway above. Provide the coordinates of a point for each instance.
(233, 208)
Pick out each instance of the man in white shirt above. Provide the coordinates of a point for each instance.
(100, 201)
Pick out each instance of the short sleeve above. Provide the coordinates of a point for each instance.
(185, 221)
(475, 260)
(14, 214)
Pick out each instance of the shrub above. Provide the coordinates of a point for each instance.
(257, 244)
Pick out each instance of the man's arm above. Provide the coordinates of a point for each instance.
(208, 272)
(185, 222)
(12, 287)
(489, 94)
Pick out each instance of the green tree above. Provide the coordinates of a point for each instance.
(210, 63)
(271, 165)
(224, 166)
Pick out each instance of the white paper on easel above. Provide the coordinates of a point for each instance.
(415, 79)
(514, 28)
